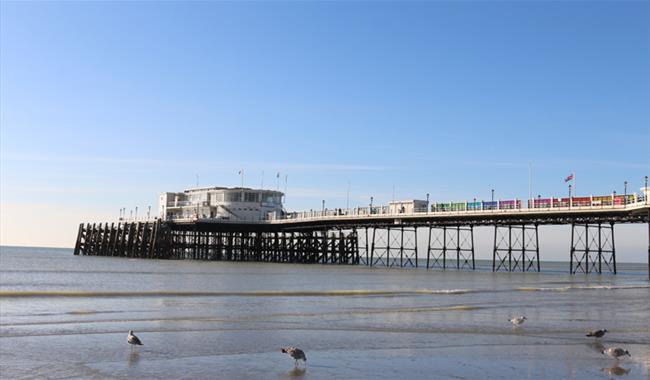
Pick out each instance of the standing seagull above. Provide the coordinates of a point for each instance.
(133, 340)
(597, 333)
(615, 352)
(296, 354)
(517, 320)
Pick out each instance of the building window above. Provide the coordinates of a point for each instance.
(268, 198)
(198, 197)
(216, 198)
(250, 197)
(271, 198)
(233, 197)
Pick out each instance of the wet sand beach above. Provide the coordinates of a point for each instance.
(68, 317)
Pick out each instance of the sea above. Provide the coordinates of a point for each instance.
(66, 317)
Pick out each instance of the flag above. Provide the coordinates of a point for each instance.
(569, 178)
(277, 175)
(239, 172)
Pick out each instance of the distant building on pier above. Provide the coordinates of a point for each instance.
(408, 206)
(223, 203)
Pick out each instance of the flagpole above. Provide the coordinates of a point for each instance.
(530, 181)
(262, 187)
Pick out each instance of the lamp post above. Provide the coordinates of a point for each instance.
(625, 193)
(370, 211)
(492, 195)
(347, 200)
(645, 199)
(148, 212)
(570, 187)
(323, 209)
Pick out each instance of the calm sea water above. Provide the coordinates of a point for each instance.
(63, 316)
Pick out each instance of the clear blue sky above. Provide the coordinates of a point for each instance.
(105, 104)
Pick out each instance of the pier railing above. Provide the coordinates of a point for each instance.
(385, 211)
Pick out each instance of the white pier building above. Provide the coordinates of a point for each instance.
(223, 203)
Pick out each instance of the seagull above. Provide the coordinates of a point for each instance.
(597, 333)
(615, 352)
(295, 353)
(517, 320)
(133, 340)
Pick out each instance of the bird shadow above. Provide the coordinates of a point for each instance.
(297, 372)
(615, 370)
(133, 358)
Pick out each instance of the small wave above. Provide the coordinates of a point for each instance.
(374, 311)
(460, 307)
(81, 312)
(529, 289)
(414, 309)
(582, 287)
(446, 291)
(268, 293)
(612, 287)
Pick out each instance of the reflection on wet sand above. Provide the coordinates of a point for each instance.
(597, 346)
(615, 370)
(133, 358)
(296, 372)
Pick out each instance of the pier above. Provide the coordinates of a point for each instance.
(384, 236)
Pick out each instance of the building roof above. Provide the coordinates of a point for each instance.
(201, 189)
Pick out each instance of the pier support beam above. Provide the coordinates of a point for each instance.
(363, 245)
(592, 245)
(451, 247)
(80, 238)
(516, 248)
(394, 246)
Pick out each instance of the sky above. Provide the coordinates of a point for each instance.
(104, 105)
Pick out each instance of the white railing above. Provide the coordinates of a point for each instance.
(385, 211)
